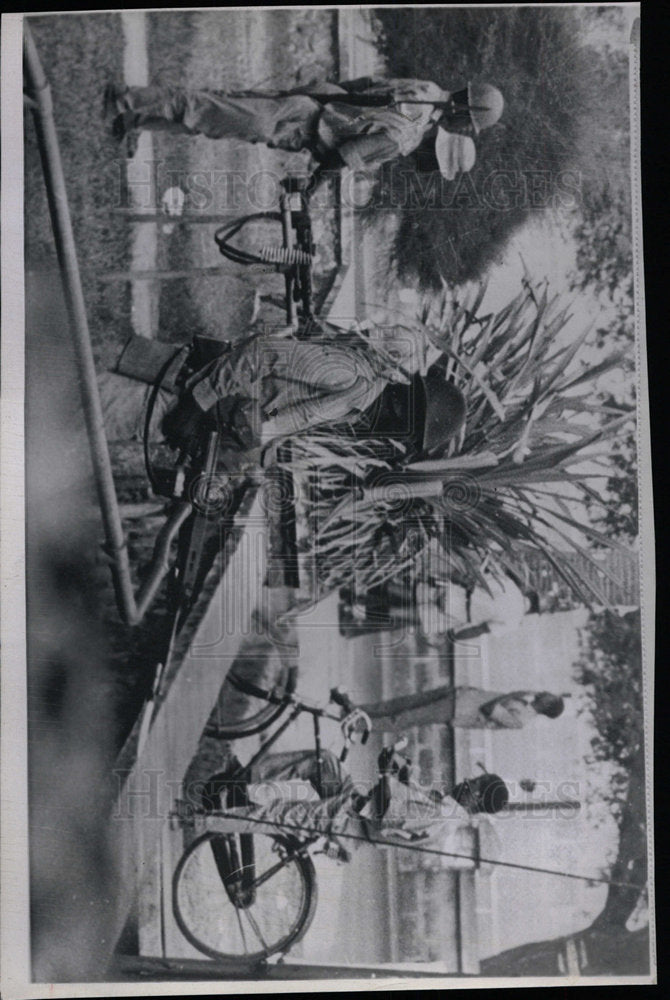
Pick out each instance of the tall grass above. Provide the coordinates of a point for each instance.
(532, 452)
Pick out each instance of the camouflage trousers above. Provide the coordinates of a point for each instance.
(285, 387)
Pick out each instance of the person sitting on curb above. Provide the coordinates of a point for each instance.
(396, 811)
(359, 123)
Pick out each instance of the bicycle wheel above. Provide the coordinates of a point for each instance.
(243, 708)
(269, 914)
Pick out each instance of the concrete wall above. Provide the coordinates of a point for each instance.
(513, 906)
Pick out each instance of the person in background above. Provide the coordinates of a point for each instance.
(463, 707)
(500, 611)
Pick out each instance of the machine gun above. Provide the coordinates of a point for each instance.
(293, 258)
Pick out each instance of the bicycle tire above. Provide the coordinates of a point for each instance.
(260, 713)
(203, 909)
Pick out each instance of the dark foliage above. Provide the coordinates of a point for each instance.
(605, 259)
(610, 667)
(616, 512)
(600, 954)
(537, 157)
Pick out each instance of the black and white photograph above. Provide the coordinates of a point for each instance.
(328, 552)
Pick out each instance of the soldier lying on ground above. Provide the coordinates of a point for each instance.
(266, 389)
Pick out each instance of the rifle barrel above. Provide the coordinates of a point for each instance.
(358, 99)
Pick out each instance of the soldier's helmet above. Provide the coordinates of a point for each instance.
(485, 104)
(487, 793)
(425, 415)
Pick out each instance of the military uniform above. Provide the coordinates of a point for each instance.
(284, 800)
(363, 136)
(285, 387)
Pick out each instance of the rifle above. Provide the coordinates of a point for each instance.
(356, 98)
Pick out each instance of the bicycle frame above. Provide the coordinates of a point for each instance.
(236, 863)
(235, 854)
(294, 260)
(298, 708)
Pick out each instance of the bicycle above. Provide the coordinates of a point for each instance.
(207, 487)
(228, 886)
(203, 498)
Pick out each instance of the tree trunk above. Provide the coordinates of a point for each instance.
(605, 947)
(631, 863)
(591, 952)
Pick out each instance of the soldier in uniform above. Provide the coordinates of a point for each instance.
(359, 123)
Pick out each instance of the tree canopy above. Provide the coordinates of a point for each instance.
(610, 668)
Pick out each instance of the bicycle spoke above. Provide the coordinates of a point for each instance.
(276, 903)
(242, 934)
(256, 929)
(234, 872)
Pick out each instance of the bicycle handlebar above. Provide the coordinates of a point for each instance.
(388, 764)
(342, 699)
(356, 727)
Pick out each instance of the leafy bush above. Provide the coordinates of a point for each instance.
(565, 107)
(610, 668)
(514, 483)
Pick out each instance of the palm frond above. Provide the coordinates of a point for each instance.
(495, 497)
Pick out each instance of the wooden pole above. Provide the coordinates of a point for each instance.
(132, 215)
(54, 179)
